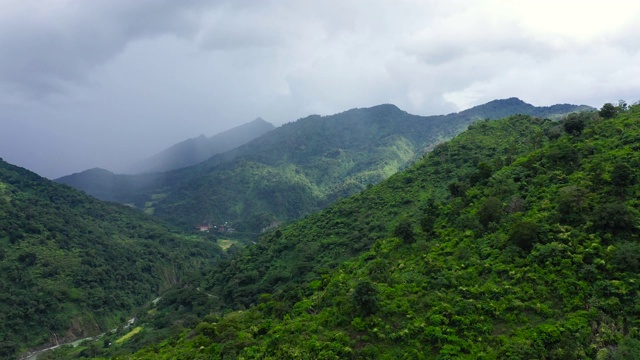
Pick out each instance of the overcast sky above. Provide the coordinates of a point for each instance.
(104, 83)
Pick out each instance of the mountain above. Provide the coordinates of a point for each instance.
(498, 109)
(105, 185)
(297, 168)
(518, 239)
(198, 149)
(73, 266)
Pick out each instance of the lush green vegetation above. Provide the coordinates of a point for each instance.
(72, 266)
(295, 169)
(517, 239)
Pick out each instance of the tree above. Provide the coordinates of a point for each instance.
(490, 211)
(608, 111)
(28, 258)
(427, 223)
(483, 173)
(563, 154)
(365, 298)
(524, 234)
(574, 124)
(628, 348)
(516, 204)
(627, 257)
(622, 105)
(622, 176)
(457, 188)
(614, 217)
(378, 270)
(8, 348)
(571, 204)
(537, 139)
(404, 231)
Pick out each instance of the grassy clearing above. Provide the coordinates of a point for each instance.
(129, 335)
(226, 243)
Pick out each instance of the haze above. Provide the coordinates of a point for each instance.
(106, 83)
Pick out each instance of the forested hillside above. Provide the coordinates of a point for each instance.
(295, 169)
(73, 266)
(517, 239)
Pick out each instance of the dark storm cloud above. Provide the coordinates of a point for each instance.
(48, 45)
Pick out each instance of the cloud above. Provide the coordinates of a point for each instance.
(99, 82)
(540, 51)
(51, 43)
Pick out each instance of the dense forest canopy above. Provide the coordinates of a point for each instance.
(72, 266)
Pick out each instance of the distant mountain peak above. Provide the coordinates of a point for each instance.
(97, 170)
(512, 101)
(192, 151)
(504, 107)
(386, 110)
(379, 109)
(387, 107)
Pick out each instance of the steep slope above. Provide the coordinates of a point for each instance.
(301, 166)
(195, 150)
(517, 239)
(72, 266)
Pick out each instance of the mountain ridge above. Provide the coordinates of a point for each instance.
(194, 150)
(298, 167)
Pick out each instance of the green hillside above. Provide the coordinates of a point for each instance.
(517, 239)
(72, 266)
(295, 169)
